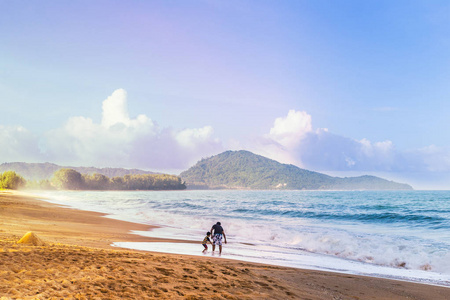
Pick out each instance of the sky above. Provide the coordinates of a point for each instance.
(340, 87)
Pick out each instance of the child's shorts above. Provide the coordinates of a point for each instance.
(206, 246)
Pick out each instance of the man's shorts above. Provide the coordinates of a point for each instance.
(217, 239)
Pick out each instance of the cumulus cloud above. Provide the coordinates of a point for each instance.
(119, 140)
(127, 142)
(323, 150)
(290, 130)
(285, 137)
(115, 112)
(292, 139)
(191, 138)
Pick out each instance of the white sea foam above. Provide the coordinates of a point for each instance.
(275, 226)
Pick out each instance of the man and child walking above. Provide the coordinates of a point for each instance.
(217, 233)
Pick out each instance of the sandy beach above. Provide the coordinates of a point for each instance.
(77, 262)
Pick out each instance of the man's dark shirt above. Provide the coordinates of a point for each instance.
(217, 229)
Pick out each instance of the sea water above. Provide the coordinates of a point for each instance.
(392, 234)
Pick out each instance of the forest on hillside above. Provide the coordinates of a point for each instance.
(246, 170)
(70, 179)
(40, 171)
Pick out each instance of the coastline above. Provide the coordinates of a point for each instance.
(69, 231)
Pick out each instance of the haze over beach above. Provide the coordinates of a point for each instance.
(341, 87)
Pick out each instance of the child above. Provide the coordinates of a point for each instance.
(205, 240)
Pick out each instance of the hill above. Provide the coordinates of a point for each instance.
(40, 171)
(245, 170)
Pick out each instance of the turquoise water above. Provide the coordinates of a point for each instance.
(395, 234)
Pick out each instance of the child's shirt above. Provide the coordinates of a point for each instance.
(206, 239)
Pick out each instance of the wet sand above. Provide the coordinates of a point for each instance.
(77, 262)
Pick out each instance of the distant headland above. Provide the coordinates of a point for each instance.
(228, 170)
(246, 170)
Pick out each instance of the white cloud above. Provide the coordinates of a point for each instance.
(124, 142)
(292, 139)
(290, 130)
(115, 112)
(385, 109)
(191, 138)
(115, 109)
(284, 138)
(350, 162)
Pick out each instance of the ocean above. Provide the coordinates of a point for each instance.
(402, 235)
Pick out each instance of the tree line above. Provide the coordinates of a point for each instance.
(70, 179)
(10, 180)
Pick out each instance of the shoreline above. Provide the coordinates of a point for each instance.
(268, 254)
(73, 228)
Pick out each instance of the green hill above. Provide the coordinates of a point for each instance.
(40, 171)
(245, 170)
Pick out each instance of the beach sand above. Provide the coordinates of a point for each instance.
(77, 262)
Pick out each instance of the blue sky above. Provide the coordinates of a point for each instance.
(341, 87)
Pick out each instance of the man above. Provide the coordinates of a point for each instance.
(217, 233)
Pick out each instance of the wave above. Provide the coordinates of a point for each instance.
(344, 228)
(413, 219)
